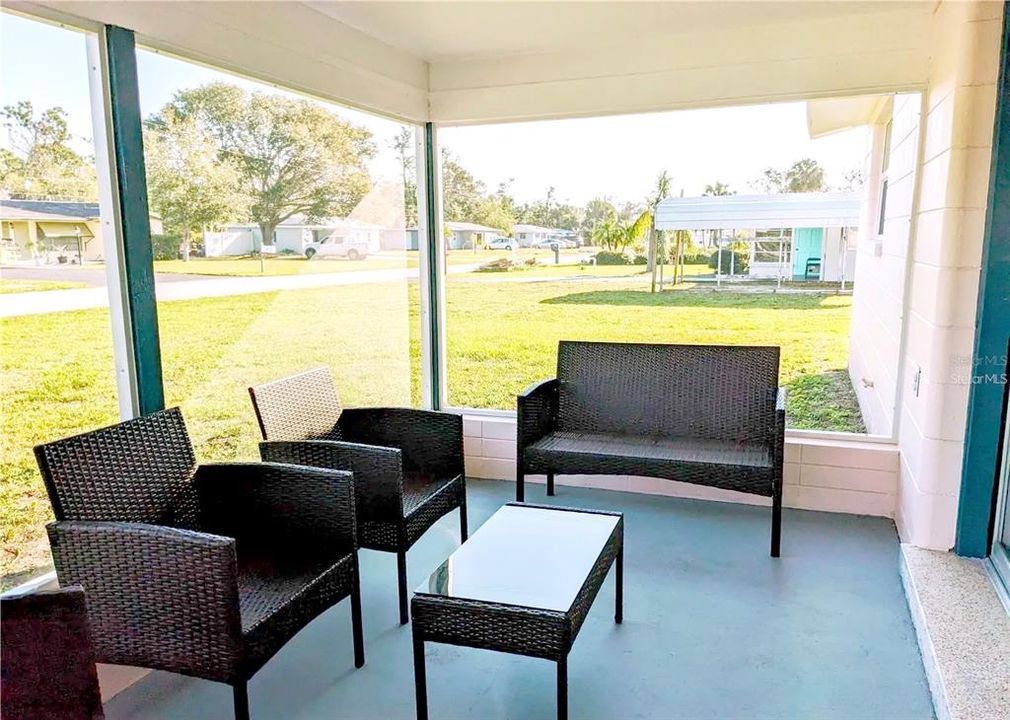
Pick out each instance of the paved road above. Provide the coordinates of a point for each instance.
(50, 301)
(92, 277)
(171, 286)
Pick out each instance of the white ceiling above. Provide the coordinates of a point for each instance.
(438, 30)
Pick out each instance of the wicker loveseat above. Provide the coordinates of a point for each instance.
(202, 570)
(703, 414)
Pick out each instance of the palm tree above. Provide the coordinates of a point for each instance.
(617, 235)
(718, 188)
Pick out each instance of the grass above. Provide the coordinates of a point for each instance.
(9, 286)
(57, 369)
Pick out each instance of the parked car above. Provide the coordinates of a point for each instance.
(503, 244)
(337, 246)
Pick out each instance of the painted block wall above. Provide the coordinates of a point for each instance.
(881, 261)
(944, 270)
(829, 475)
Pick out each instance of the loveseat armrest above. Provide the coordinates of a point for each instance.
(157, 596)
(431, 441)
(378, 471)
(273, 507)
(536, 412)
(779, 438)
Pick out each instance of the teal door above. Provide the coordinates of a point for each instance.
(808, 244)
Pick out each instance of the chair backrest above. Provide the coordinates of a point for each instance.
(140, 470)
(702, 391)
(48, 660)
(301, 407)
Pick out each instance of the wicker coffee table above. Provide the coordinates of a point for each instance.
(522, 584)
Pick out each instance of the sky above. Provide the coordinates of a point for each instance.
(616, 157)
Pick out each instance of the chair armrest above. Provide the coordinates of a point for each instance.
(536, 413)
(780, 401)
(157, 596)
(378, 471)
(272, 507)
(432, 442)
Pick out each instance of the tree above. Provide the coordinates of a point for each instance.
(462, 193)
(661, 193)
(802, 176)
(293, 156)
(852, 180)
(188, 186)
(596, 212)
(718, 188)
(404, 145)
(617, 234)
(40, 162)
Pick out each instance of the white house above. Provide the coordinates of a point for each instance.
(467, 236)
(529, 235)
(798, 236)
(292, 236)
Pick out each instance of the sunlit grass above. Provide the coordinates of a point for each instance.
(57, 369)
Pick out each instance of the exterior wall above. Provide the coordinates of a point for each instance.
(881, 262)
(26, 235)
(229, 242)
(945, 268)
(833, 476)
(292, 239)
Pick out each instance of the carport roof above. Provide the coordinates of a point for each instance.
(730, 212)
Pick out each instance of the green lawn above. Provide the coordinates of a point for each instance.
(9, 285)
(57, 374)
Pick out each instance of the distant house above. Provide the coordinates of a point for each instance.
(789, 235)
(467, 236)
(50, 229)
(294, 235)
(529, 235)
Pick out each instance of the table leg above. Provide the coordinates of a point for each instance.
(563, 688)
(420, 685)
(619, 577)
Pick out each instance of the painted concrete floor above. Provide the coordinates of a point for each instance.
(713, 628)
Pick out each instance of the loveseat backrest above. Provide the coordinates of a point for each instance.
(702, 391)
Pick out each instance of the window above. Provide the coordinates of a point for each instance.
(885, 163)
(505, 313)
(347, 189)
(773, 246)
(57, 371)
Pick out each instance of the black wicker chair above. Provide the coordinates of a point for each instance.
(407, 464)
(48, 661)
(703, 414)
(201, 570)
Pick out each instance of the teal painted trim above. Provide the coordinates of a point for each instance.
(434, 288)
(976, 509)
(134, 217)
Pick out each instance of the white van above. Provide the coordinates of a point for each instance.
(337, 246)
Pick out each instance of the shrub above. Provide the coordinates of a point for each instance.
(607, 257)
(165, 247)
(288, 251)
(531, 261)
(640, 260)
(740, 261)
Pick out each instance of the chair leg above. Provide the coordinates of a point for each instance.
(776, 521)
(241, 692)
(563, 688)
(401, 571)
(463, 530)
(520, 484)
(359, 642)
(550, 483)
